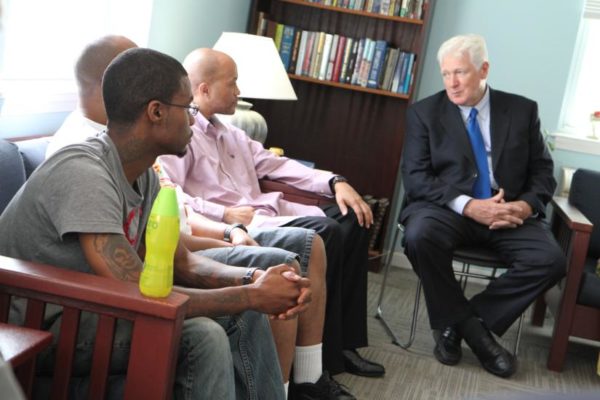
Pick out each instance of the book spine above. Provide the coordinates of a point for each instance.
(261, 24)
(338, 62)
(359, 60)
(404, 75)
(332, 56)
(308, 52)
(295, 50)
(278, 35)
(389, 69)
(285, 48)
(384, 64)
(409, 74)
(301, 52)
(346, 60)
(325, 57)
(397, 72)
(377, 63)
(315, 63)
(365, 66)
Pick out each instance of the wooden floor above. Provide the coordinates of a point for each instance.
(416, 374)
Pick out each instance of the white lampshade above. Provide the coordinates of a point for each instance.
(261, 74)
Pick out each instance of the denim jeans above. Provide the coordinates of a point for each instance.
(230, 357)
(278, 246)
(242, 364)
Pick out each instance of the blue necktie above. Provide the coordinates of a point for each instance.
(481, 188)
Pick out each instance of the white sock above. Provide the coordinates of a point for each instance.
(308, 363)
(285, 388)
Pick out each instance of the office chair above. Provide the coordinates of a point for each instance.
(467, 256)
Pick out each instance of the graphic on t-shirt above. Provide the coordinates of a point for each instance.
(131, 225)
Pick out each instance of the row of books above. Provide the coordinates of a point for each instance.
(356, 61)
(398, 8)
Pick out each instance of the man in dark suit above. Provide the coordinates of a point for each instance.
(477, 172)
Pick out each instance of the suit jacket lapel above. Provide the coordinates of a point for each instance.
(499, 124)
(454, 125)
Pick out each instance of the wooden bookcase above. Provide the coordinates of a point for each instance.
(354, 131)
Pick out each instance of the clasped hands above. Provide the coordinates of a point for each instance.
(496, 213)
(280, 292)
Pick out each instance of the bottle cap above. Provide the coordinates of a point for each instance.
(166, 203)
(278, 151)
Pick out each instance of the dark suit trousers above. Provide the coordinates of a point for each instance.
(534, 259)
(346, 246)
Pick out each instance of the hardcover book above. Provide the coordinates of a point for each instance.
(285, 48)
(380, 48)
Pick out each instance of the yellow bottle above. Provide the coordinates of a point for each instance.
(162, 236)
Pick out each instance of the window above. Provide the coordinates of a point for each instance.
(40, 41)
(583, 91)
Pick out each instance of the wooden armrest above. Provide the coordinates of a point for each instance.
(295, 195)
(19, 344)
(571, 216)
(157, 326)
(61, 286)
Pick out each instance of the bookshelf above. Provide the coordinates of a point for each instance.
(350, 129)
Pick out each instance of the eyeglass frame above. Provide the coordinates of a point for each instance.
(192, 109)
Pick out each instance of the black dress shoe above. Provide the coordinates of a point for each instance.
(494, 358)
(357, 365)
(447, 346)
(326, 388)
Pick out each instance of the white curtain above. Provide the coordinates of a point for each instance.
(582, 97)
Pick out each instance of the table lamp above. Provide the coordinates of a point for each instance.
(261, 75)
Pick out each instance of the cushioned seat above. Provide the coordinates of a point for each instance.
(13, 170)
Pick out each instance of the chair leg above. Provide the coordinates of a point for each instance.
(518, 339)
(395, 339)
(539, 311)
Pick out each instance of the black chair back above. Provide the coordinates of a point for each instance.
(585, 195)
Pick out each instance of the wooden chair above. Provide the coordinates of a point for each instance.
(157, 325)
(296, 195)
(577, 298)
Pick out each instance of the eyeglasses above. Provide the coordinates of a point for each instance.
(192, 108)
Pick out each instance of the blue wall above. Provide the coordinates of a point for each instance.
(530, 45)
(180, 26)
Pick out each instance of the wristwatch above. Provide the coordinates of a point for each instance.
(334, 180)
(227, 233)
(247, 278)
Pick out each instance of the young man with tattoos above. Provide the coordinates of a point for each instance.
(298, 341)
(86, 207)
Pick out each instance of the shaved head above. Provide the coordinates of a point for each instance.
(205, 65)
(213, 76)
(95, 58)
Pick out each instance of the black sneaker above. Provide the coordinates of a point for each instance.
(326, 388)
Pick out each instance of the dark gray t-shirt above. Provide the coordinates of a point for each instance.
(80, 189)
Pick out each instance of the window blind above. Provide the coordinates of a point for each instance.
(592, 9)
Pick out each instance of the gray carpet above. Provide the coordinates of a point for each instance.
(415, 373)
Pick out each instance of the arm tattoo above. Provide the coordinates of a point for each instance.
(212, 276)
(119, 256)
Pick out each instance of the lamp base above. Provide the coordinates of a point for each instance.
(248, 120)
